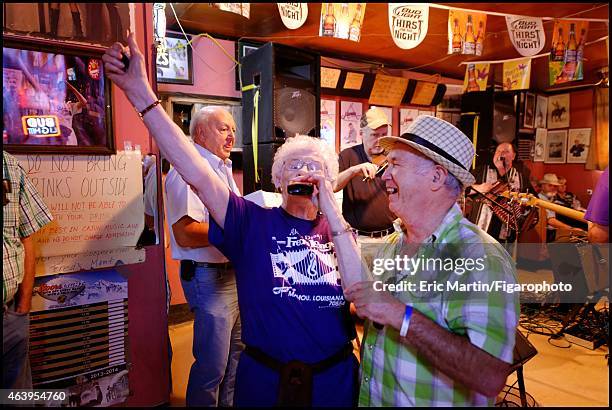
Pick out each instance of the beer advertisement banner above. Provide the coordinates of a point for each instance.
(466, 32)
(293, 14)
(476, 77)
(517, 74)
(342, 20)
(565, 63)
(527, 34)
(408, 23)
(244, 9)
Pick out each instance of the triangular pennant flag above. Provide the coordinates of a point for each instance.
(476, 76)
(342, 20)
(516, 74)
(527, 34)
(408, 23)
(466, 32)
(293, 14)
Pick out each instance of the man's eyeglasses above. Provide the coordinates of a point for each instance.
(297, 164)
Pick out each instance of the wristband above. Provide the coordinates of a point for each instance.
(149, 108)
(406, 321)
(342, 232)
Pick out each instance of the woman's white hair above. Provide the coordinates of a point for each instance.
(300, 142)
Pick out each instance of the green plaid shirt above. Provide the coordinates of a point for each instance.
(24, 214)
(394, 374)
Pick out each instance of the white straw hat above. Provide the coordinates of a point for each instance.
(442, 142)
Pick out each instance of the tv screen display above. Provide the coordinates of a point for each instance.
(54, 101)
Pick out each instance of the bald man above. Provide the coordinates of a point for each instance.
(208, 279)
(503, 169)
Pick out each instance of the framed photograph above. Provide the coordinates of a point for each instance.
(328, 121)
(578, 144)
(56, 99)
(541, 109)
(244, 48)
(529, 113)
(540, 145)
(99, 24)
(350, 118)
(558, 111)
(174, 60)
(407, 115)
(556, 142)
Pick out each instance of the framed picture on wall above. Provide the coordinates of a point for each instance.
(244, 48)
(578, 144)
(556, 143)
(541, 109)
(174, 60)
(407, 116)
(529, 112)
(540, 145)
(328, 121)
(350, 118)
(559, 111)
(55, 100)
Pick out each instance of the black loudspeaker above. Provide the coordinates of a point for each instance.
(265, 157)
(289, 84)
(497, 120)
(288, 80)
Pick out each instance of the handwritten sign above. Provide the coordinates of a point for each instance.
(96, 201)
(388, 90)
(52, 265)
(329, 77)
(353, 81)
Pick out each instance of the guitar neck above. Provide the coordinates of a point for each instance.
(560, 209)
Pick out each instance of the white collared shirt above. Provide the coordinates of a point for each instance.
(182, 201)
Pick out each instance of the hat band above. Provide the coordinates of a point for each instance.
(423, 142)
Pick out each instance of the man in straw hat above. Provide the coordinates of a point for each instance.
(428, 344)
(549, 186)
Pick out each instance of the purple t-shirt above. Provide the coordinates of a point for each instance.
(291, 301)
(598, 210)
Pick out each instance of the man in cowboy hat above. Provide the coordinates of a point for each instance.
(426, 344)
(549, 185)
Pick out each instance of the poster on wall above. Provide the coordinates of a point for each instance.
(527, 34)
(559, 111)
(175, 60)
(328, 121)
(579, 142)
(541, 110)
(516, 74)
(407, 116)
(476, 77)
(293, 15)
(540, 145)
(81, 319)
(408, 23)
(350, 118)
(55, 102)
(96, 201)
(566, 54)
(466, 32)
(556, 141)
(92, 23)
(342, 20)
(529, 112)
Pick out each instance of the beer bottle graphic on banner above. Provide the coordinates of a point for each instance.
(457, 40)
(355, 29)
(472, 83)
(329, 22)
(469, 44)
(570, 55)
(580, 51)
(479, 38)
(559, 53)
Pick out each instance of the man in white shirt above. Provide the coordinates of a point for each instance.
(207, 277)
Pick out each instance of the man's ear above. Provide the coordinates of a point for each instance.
(438, 176)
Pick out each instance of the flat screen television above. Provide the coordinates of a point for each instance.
(55, 99)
